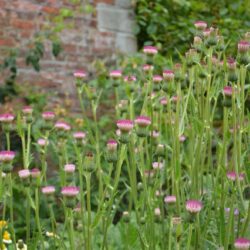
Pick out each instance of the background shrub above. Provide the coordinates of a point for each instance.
(169, 24)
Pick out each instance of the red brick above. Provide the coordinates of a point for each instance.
(22, 24)
(6, 42)
(104, 1)
(50, 10)
(70, 48)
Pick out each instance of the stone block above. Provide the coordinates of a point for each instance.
(113, 18)
(126, 43)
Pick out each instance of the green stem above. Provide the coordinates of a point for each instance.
(88, 178)
(38, 218)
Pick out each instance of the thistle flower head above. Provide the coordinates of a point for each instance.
(157, 78)
(24, 173)
(48, 190)
(143, 121)
(168, 75)
(79, 135)
(197, 41)
(236, 211)
(182, 138)
(125, 125)
(155, 134)
(62, 126)
(7, 156)
(129, 79)
(228, 91)
(69, 168)
(149, 173)
(150, 50)
(200, 25)
(80, 74)
(48, 115)
(42, 142)
(231, 175)
(207, 32)
(157, 165)
(112, 145)
(115, 74)
(231, 63)
(243, 46)
(164, 101)
(35, 173)
(157, 211)
(193, 206)
(147, 67)
(6, 118)
(170, 199)
(242, 243)
(70, 191)
(27, 110)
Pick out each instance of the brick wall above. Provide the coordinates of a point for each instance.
(87, 40)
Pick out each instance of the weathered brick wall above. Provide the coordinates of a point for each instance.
(86, 41)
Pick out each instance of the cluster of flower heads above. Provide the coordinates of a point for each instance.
(205, 37)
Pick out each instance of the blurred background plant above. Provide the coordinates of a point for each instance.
(159, 22)
(49, 33)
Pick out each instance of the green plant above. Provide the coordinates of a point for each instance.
(160, 22)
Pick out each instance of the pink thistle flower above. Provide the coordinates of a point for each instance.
(157, 165)
(48, 190)
(242, 244)
(147, 67)
(193, 206)
(70, 191)
(7, 156)
(125, 125)
(170, 199)
(157, 78)
(42, 142)
(207, 32)
(164, 101)
(27, 110)
(48, 115)
(129, 79)
(24, 173)
(7, 118)
(150, 50)
(115, 74)
(182, 138)
(231, 63)
(200, 25)
(197, 40)
(155, 134)
(79, 135)
(143, 121)
(149, 173)
(231, 175)
(112, 145)
(243, 46)
(62, 126)
(175, 99)
(118, 132)
(228, 91)
(77, 209)
(158, 193)
(168, 75)
(157, 211)
(177, 66)
(69, 168)
(236, 211)
(35, 173)
(80, 74)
